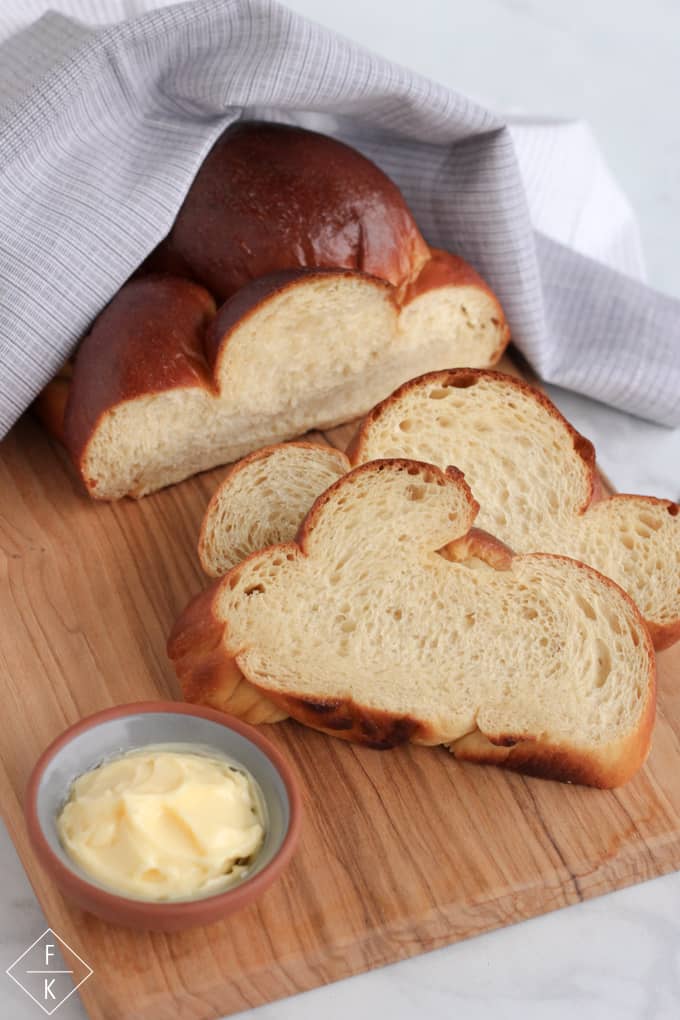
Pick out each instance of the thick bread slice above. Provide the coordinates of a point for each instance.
(263, 499)
(164, 387)
(534, 477)
(362, 630)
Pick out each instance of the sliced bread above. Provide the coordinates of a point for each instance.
(165, 385)
(331, 299)
(263, 499)
(362, 630)
(535, 479)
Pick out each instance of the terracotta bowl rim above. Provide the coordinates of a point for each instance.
(139, 911)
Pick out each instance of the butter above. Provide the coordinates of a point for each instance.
(162, 824)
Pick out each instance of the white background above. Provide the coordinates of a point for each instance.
(617, 65)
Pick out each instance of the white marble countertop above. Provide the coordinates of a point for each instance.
(613, 63)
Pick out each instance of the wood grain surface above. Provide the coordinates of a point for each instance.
(401, 851)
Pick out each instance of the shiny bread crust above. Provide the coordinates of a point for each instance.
(270, 205)
(148, 339)
(270, 197)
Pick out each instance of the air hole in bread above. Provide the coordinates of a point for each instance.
(674, 509)
(614, 623)
(585, 607)
(650, 521)
(416, 493)
(255, 589)
(462, 381)
(604, 663)
(406, 425)
(438, 394)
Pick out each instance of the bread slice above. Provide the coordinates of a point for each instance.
(165, 385)
(535, 479)
(263, 499)
(362, 630)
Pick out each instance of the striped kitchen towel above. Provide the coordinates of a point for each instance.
(103, 127)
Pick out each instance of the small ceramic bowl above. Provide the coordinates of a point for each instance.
(133, 727)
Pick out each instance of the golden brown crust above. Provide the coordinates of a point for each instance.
(270, 197)
(207, 674)
(147, 340)
(480, 545)
(356, 723)
(663, 635)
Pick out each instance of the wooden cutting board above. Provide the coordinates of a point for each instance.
(401, 852)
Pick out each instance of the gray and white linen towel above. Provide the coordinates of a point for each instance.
(103, 127)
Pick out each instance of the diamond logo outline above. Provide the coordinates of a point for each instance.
(88, 969)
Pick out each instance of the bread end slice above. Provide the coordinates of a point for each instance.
(263, 500)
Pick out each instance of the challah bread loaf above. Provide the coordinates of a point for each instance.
(161, 392)
(271, 197)
(534, 477)
(263, 499)
(361, 630)
(332, 300)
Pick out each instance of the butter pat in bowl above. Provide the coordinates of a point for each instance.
(161, 815)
